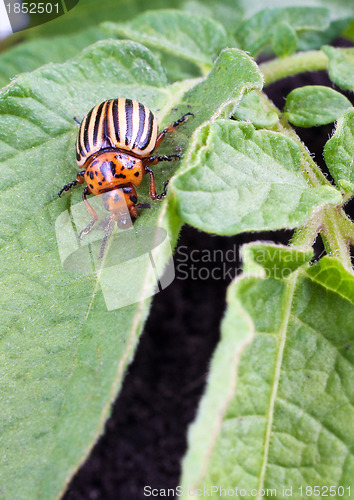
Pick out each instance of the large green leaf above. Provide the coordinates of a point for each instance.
(227, 12)
(257, 32)
(339, 152)
(232, 13)
(32, 54)
(315, 105)
(64, 345)
(340, 8)
(64, 353)
(90, 12)
(181, 34)
(237, 179)
(289, 423)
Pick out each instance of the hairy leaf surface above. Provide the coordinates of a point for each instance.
(339, 152)
(257, 32)
(181, 34)
(315, 105)
(289, 422)
(64, 348)
(340, 66)
(251, 108)
(237, 179)
(32, 54)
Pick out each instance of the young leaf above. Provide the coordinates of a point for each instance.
(339, 152)
(284, 40)
(314, 105)
(64, 348)
(251, 179)
(309, 40)
(290, 421)
(257, 32)
(340, 66)
(31, 54)
(181, 34)
(251, 108)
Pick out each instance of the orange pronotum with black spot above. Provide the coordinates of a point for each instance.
(114, 146)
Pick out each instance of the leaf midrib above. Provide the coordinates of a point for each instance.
(290, 290)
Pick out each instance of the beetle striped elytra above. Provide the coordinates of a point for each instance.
(119, 123)
(114, 147)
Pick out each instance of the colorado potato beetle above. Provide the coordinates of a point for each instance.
(114, 147)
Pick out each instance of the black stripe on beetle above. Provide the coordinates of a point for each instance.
(129, 121)
(86, 131)
(141, 125)
(97, 123)
(149, 132)
(116, 119)
(79, 146)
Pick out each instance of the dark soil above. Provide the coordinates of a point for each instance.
(145, 437)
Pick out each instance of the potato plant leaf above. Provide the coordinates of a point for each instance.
(90, 12)
(64, 349)
(284, 41)
(252, 176)
(289, 423)
(339, 152)
(229, 13)
(314, 105)
(32, 54)
(181, 34)
(257, 32)
(251, 108)
(340, 66)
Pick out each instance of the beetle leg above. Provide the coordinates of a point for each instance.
(152, 188)
(92, 212)
(152, 160)
(171, 128)
(79, 180)
(143, 205)
(107, 232)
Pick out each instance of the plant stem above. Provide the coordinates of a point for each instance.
(337, 232)
(306, 235)
(277, 69)
(336, 229)
(335, 236)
